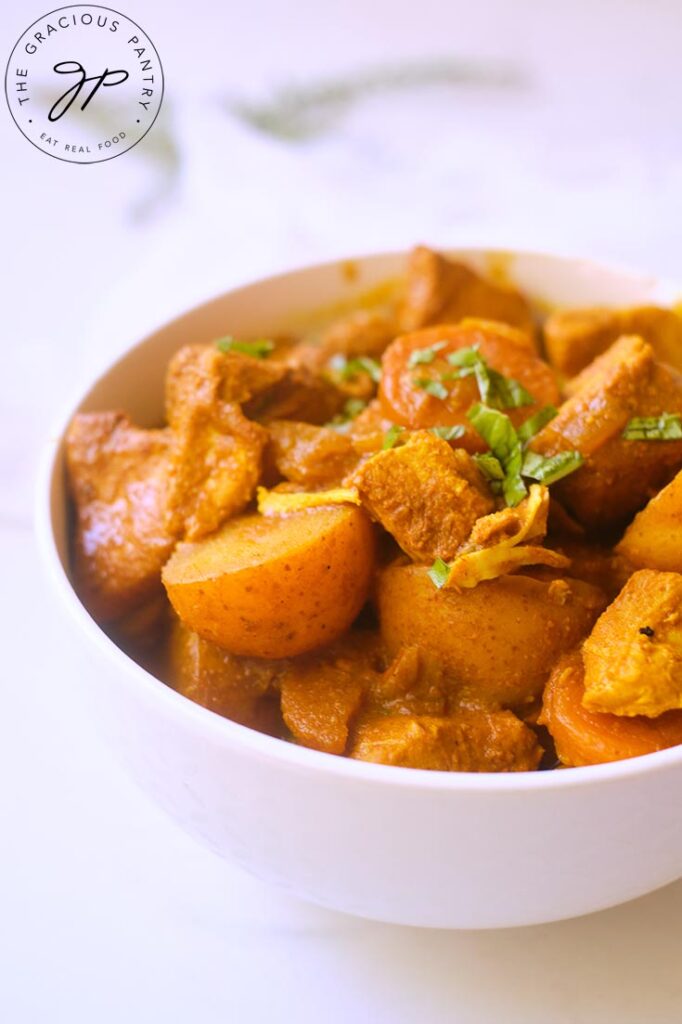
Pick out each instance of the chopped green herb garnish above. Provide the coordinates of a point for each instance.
(432, 387)
(449, 433)
(530, 427)
(547, 470)
(353, 408)
(506, 447)
(496, 390)
(425, 355)
(391, 437)
(508, 393)
(464, 356)
(352, 367)
(260, 348)
(489, 466)
(666, 427)
(342, 421)
(439, 572)
(498, 431)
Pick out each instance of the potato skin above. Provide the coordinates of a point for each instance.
(500, 640)
(275, 587)
(652, 540)
(583, 737)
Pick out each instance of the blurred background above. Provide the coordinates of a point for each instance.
(293, 132)
(290, 133)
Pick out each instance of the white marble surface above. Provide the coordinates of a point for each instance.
(107, 912)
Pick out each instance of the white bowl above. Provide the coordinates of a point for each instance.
(394, 844)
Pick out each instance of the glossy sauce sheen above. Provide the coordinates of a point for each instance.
(308, 548)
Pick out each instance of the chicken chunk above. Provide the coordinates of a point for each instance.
(242, 689)
(310, 456)
(118, 475)
(426, 494)
(574, 337)
(413, 683)
(617, 476)
(214, 467)
(361, 333)
(201, 375)
(468, 741)
(652, 540)
(322, 693)
(368, 429)
(633, 656)
(439, 290)
(300, 394)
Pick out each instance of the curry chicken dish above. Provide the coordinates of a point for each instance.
(441, 532)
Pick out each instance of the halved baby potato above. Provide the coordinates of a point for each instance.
(278, 586)
(498, 640)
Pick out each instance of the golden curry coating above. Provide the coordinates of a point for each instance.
(311, 456)
(618, 475)
(118, 475)
(426, 494)
(468, 741)
(574, 337)
(364, 332)
(319, 701)
(633, 656)
(653, 538)
(203, 376)
(287, 609)
(584, 737)
(498, 641)
(238, 688)
(214, 467)
(440, 290)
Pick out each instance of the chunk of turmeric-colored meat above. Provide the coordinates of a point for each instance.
(439, 290)
(583, 737)
(652, 540)
(468, 741)
(201, 375)
(361, 333)
(118, 475)
(310, 456)
(425, 493)
(574, 337)
(242, 689)
(214, 467)
(414, 682)
(322, 693)
(633, 656)
(367, 431)
(302, 394)
(617, 476)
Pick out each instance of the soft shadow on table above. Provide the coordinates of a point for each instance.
(621, 965)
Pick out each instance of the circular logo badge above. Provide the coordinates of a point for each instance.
(84, 83)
